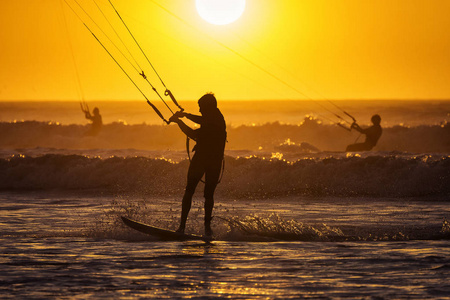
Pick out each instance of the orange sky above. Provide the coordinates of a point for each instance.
(286, 49)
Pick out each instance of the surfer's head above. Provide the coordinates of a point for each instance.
(376, 119)
(207, 103)
(96, 111)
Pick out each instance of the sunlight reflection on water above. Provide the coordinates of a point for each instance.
(231, 269)
(45, 253)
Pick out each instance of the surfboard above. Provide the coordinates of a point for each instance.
(162, 234)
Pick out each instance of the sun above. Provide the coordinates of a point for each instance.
(220, 12)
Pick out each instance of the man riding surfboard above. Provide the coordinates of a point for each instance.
(209, 153)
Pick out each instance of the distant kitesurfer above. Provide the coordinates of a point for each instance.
(372, 133)
(95, 118)
(209, 150)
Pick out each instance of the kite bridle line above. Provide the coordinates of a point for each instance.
(125, 72)
(141, 72)
(267, 72)
(167, 92)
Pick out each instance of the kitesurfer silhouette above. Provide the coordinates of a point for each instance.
(96, 120)
(210, 141)
(372, 133)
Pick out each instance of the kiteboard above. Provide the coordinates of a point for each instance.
(163, 234)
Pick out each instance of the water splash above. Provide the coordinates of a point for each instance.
(276, 228)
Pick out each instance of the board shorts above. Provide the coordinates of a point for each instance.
(210, 167)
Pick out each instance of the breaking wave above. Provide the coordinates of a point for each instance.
(244, 177)
(309, 136)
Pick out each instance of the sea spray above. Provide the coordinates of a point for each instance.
(276, 228)
(233, 224)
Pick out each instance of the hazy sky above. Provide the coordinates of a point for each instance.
(278, 49)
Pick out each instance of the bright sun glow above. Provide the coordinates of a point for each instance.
(220, 12)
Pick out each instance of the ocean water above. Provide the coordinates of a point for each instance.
(408, 126)
(295, 215)
(72, 246)
(132, 112)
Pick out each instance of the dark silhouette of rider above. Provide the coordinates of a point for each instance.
(372, 133)
(96, 119)
(209, 150)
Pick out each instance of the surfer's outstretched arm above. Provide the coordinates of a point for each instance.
(194, 118)
(357, 127)
(191, 133)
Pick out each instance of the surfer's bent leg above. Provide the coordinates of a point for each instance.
(211, 179)
(195, 173)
